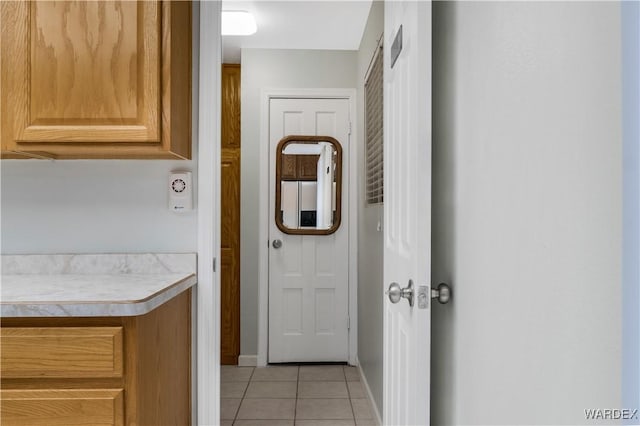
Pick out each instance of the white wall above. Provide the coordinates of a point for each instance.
(97, 206)
(631, 260)
(92, 206)
(527, 211)
(272, 69)
(370, 243)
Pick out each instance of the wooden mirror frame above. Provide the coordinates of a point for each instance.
(338, 179)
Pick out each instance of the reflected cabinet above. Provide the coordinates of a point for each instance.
(308, 185)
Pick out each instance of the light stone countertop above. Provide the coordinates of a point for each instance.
(30, 290)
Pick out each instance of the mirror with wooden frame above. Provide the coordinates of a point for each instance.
(308, 185)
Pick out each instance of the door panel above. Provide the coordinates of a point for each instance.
(230, 100)
(308, 275)
(230, 219)
(230, 257)
(229, 315)
(407, 210)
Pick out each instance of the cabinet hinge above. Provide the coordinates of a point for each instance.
(214, 264)
(349, 128)
(348, 323)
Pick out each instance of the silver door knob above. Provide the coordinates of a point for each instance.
(396, 293)
(277, 244)
(442, 293)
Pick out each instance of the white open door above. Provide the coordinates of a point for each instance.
(407, 210)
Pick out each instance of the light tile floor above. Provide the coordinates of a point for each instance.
(306, 395)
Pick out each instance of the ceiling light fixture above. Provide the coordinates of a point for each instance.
(238, 22)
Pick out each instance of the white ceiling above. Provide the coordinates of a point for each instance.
(299, 24)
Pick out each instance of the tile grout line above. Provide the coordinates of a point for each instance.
(353, 412)
(295, 404)
(244, 394)
(235, 417)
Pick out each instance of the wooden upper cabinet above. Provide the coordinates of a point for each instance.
(308, 167)
(289, 167)
(105, 79)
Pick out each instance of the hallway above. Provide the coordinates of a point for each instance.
(308, 395)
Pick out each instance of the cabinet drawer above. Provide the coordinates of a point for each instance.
(51, 407)
(61, 352)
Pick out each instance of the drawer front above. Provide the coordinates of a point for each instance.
(53, 407)
(70, 352)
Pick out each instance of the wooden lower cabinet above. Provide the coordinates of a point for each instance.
(63, 407)
(98, 371)
(61, 352)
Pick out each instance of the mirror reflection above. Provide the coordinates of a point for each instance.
(308, 185)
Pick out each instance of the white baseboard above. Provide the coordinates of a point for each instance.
(247, 360)
(372, 402)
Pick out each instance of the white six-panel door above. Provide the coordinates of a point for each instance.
(309, 274)
(407, 211)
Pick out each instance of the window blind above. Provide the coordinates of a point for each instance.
(373, 95)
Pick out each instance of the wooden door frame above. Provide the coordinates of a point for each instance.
(263, 281)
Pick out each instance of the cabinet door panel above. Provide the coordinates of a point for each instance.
(83, 71)
(308, 167)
